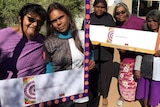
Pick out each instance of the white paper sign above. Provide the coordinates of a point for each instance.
(135, 38)
(128, 39)
(98, 33)
(156, 69)
(41, 88)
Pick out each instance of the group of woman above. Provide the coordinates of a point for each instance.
(105, 67)
(129, 88)
(137, 64)
(22, 49)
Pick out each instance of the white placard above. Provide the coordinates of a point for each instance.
(98, 33)
(135, 38)
(41, 88)
(128, 39)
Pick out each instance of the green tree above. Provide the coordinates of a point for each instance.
(9, 9)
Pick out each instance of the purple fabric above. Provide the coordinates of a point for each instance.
(143, 88)
(155, 93)
(133, 23)
(18, 53)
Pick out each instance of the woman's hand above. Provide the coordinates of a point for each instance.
(121, 50)
(137, 75)
(157, 53)
(91, 64)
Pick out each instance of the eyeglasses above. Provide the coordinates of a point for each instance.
(32, 20)
(121, 12)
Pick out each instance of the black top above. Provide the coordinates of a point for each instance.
(106, 19)
(102, 53)
(147, 66)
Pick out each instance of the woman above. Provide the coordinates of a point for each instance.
(146, 89)
(104, 68)
(64, 45)
(21, 45)
(125, 20)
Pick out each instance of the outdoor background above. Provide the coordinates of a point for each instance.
(9, 10)
(8, 17)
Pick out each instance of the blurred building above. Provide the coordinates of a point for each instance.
(136, 7)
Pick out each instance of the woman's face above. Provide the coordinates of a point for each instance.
(121, 14)
(99, 9)
(59, 20)
(153, 25)
(31, 25)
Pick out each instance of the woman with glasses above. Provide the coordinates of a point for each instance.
(125, 20)
(21, 45)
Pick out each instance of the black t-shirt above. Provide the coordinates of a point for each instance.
(102, 53)
(106, 19)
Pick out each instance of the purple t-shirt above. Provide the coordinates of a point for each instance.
(20, 57)
(135, 23)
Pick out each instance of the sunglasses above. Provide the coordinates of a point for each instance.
(32, 20)
(122, 12)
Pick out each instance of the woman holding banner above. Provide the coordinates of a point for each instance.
(21, 45)
(127, 85)
(64, 46)
(147, 67)
(101, 75)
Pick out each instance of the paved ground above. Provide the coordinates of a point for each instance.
(113, 93)
(113, 96)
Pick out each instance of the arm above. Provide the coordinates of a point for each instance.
(157, 53)
(121, 50)
(91, 62)
(137, 66)
(91, 57)
(49, 64)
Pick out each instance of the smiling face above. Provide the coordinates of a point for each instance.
(99, 9)
(120, 14)
(153, 25)
(31, 25)
(59, 20)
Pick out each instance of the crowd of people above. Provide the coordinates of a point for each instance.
(22, 51)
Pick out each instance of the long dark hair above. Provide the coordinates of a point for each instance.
(72, 25)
